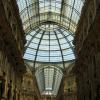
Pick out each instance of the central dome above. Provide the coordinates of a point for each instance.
(49, 43)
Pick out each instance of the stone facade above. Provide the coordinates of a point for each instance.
(29, 90)
(12, 42)
(68, 89)
(87, 50)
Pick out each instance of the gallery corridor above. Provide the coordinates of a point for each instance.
(49, 49)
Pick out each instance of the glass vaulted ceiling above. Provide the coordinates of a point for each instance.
(48, 84)
(49, 26)
(64, 12)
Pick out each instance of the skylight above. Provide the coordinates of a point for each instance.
(63, 12)
(49, 27)
(52, 78)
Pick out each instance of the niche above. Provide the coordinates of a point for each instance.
(9, 94)
(98, 93)
(48, 98)
(0, 27)
(2, 85)
(14, 95)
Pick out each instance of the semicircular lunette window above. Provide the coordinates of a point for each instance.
(49, 43)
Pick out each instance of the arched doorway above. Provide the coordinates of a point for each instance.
(2, 85)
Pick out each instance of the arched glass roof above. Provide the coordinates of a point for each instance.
(63, 12)
(49, 26)
(49, 79)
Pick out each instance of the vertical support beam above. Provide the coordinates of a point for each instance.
(38, 10)
(71, 14)
(54, 75)
(66, 40)
(49, 46)
(38, 48)
(31, 40)
(28, 13)
(44, 78)
(60, 49)
(62, 7)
